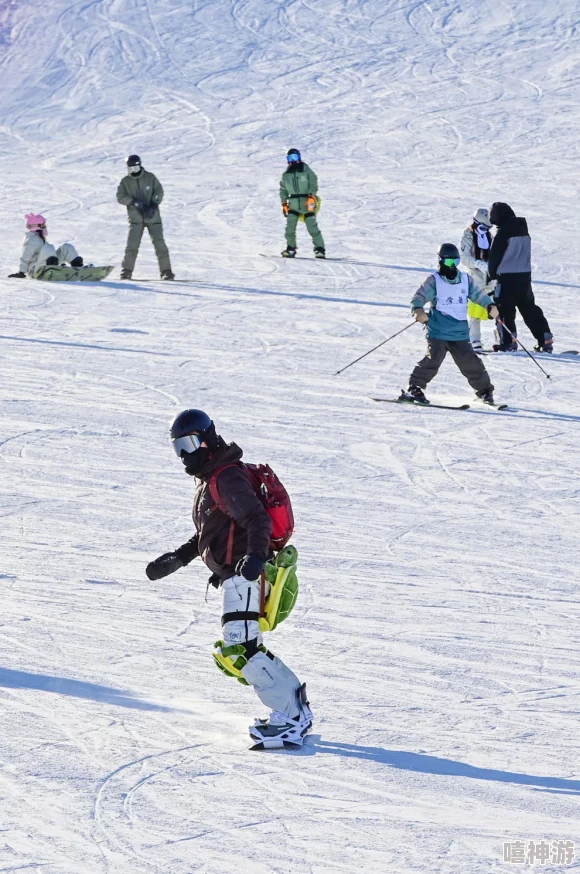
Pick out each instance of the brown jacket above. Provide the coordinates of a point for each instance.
(252, 525)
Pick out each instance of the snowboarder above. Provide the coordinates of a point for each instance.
(36, 252)
(475, 248)
(141, 192)
(235, 547)
(510, 262)
(298, 189)
(448, 292)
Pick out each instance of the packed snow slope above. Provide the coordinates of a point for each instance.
(437, 625)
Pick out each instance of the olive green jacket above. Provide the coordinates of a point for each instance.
(296, 184)
(144, 188)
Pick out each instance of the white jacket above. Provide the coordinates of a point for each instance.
(35, 251)
(476, 269)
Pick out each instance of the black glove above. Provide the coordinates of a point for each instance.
(138, 204)
(20, 275)
(149, 211)
(250, 566)
(166, 564)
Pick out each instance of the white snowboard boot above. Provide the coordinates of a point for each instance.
(280, 729)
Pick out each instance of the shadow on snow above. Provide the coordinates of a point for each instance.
(10, 679)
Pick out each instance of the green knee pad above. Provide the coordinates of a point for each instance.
(281, 575)
(230, 659)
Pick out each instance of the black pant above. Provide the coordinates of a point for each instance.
(462, 353)
(512, 293)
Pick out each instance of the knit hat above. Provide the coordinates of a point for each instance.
(481, 217)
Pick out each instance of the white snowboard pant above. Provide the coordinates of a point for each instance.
(66, 252)
(273, 682)
(475, 330)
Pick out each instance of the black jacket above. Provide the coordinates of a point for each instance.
(511, 249)
(252, 524)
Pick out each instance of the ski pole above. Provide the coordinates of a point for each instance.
(375, 347)
(513, 336)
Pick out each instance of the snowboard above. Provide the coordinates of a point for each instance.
(71, 274)
(301, 258)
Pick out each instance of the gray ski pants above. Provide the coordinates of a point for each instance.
(470, 365)
(136, 230)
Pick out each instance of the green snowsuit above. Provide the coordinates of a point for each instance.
(145, 189)
(296, 184)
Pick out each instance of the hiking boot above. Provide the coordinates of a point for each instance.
(77, 262)
(486, 396)
(167, 274)
(320, 252)
(414, 393)
(289, 252)
(547, 345)
(126, 274)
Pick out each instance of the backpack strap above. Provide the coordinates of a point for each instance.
(219, 504)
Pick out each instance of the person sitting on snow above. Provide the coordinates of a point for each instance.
(36, 252)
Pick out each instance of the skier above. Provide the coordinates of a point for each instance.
(36, 252)
(141, 192)
(475, 248)
(448, 292)
(510, 262)
(298, 188)
(235, 548)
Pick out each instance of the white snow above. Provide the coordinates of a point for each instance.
(437, 625)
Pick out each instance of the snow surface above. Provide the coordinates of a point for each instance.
(437, 626)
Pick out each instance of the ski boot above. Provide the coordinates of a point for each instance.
(505, 347)
(320, 252)
(126, 274)
(77, 262)
(279, 729)
(289, 252)
(167, 274)
(415, 394)
(477, 346)
(547, 345)
(52, 261)
(486, 397)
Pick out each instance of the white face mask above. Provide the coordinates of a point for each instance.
(135, 169)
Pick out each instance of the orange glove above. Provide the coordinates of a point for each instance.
(310, 203)
(285, 207)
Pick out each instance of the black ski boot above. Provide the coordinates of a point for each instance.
(77, 262)
(167, 274)
(320, 252)
(486, 397)
(547, 345)
(126, 274)
(414, 394)
(52, 261)
(289, 252)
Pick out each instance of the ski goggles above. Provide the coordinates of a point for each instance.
(451, 262)
(293, 158)
(188, 443)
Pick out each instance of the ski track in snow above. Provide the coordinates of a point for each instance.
(437, 621)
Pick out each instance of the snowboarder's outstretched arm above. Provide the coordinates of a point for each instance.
(170, 562)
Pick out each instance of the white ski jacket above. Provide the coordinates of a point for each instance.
(476, 269)
(35, 251)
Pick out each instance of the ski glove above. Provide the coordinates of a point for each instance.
(250, 567)
(493, 311)
(138, 204)
(311, 203)
(19, 275)
(421, 315)
(149, 211)
(166, 564)
(285, 207)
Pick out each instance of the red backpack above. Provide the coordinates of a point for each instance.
(273, 496)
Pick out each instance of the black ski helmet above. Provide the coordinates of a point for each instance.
(194, 422)
(133, 161)
(292, 152)
(447, 250)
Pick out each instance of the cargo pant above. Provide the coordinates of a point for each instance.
(136, 229)
(462, 353)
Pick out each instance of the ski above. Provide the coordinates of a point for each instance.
(417, 404)
(493, 406)
(301, 258)
(546, 355)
